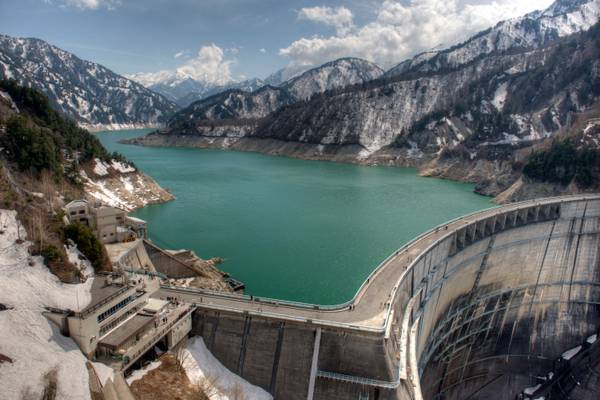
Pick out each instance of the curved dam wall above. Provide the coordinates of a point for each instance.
(498, 302)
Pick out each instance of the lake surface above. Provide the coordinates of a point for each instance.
(290, 229)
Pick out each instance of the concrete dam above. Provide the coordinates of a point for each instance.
(500, 304)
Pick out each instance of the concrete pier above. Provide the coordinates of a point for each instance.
(484, 306)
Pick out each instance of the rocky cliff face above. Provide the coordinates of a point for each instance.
(87, 92)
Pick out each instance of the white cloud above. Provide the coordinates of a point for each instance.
(180, 54)
(263, 50)
(87, 4)
(340, 17)
(401, 30)
(210, 66)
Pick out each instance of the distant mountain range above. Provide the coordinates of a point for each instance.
(85, 91)
(246, 105)
(473, 112)
(184, 90)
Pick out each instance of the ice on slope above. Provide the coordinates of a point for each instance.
(34, 343)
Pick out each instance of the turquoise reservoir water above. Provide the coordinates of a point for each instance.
(291, 229)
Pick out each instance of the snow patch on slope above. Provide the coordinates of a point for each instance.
(500, 96)
(34, 343)
(200, 364)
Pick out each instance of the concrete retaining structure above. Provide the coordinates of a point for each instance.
(481, 307)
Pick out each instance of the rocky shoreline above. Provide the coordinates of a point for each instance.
(493, 178)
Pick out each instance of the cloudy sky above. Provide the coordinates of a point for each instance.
(220, 40)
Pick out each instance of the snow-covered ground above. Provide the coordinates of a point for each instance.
(35, 344)
(100, 167)
(200, 365)
(140, 373)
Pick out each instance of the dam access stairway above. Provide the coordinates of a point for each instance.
(470, 309)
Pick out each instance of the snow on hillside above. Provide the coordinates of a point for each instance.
(200, 364)
(332, 75)
(33, 343)
(533, 30)
(118, 184)
(91, 94)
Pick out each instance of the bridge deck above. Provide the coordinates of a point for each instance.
(369, 309)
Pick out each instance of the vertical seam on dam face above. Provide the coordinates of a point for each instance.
(314, 365)
(247, 322)
(280, 333)
(578, 241)
(214, 332)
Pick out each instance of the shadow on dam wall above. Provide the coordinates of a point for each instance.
(503, 307)
(510, 306)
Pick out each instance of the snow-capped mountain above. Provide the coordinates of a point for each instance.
(259, 103)
(233, 104)
(172, 86)
(249, 85)
(183, 89)
(91, 94)
(285, 74)
(332, 75)
(533, 30)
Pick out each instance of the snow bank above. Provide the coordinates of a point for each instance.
(121, 167)
(200, 364)
(34, 343)
(100, 168)
(76, 258)
(500, 96)
(140, 373)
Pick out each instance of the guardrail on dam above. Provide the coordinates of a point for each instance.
(500, 304)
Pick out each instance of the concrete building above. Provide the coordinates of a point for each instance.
(110, 224)
(123, 321)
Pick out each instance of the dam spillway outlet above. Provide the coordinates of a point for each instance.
(501, 304)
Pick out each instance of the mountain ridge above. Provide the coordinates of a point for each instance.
(88, 92)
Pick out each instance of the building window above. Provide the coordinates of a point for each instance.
(115, 308)
(81, 211)
(73, 212)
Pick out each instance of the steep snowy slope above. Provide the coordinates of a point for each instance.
(562, 18)
(89, 93)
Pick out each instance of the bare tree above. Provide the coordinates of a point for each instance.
(208, 385)
(182, 357)
(47, 187)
